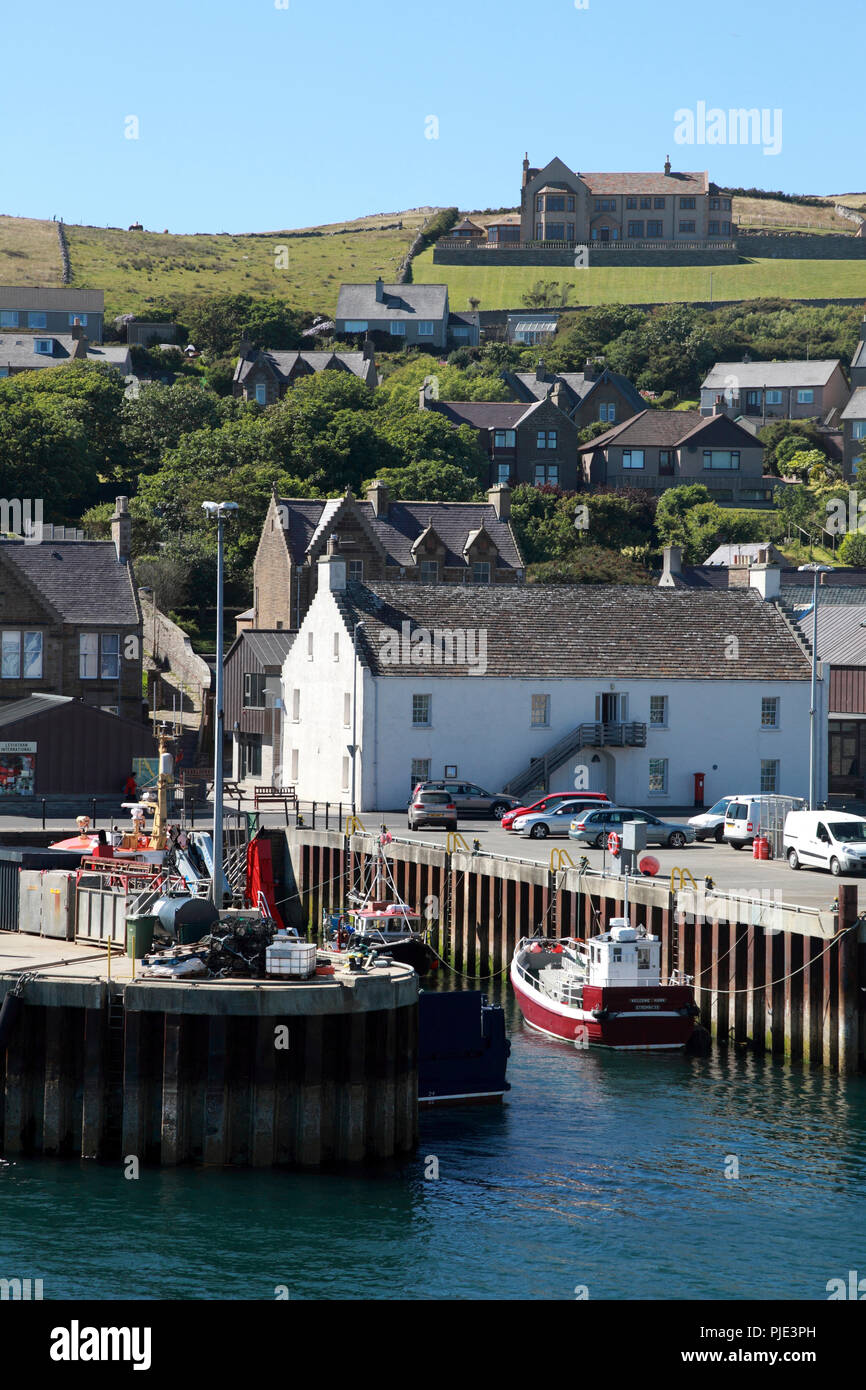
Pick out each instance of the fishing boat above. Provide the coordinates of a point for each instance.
(463, 1050)
(605, 992)
(381, 921)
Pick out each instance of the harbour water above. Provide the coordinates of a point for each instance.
(603, 1175)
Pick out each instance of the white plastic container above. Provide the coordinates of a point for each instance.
(290, 957)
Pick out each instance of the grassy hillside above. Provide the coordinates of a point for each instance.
(502, 287)
(134, 268)
(787, 217)
(29, 252)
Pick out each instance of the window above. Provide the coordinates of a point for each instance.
(687, 226)
(659, 204)
(425, 328)
(44, 346)
(296, 706)
(770, 712)
(336, 646)
(398, 329)
(631, 202)
(420, 772)
(658, 776)
(421, 710)
(356, 326)
(539, 204)
(635, 229)
(546, 439)
(805, 397)
(10, 662)
(481, 572)
(646, 203)
(503, 472)
(345, 782)
(503, 439)
(666, 461)
(538, 232)
(8, 318)
(33, 656)
(607, 411)
(605, 204)
(569, 207)
(10, 669)
(309, 646)
(773, 397)
(88, 653)
(632, 458)
(547, 473)
(540, 717)
(858, 429)
(294, 764)
(653, 229)
(555, 204)
(556, 231)
(356, 571)
(109, 668)
(254, 690)
(4, 371)
(713, 229)
(659, 711)
(570, 232)
(82, 319)
(722, 458)
(769, 774)
(347, 710)
(687, 202)
(726, 229)
(252, 747)
(35, 320)
(261, 393)
(429, 571)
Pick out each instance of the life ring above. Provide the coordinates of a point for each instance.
(143, 842)
(614, 844)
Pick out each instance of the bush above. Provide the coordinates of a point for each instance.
(852, 551)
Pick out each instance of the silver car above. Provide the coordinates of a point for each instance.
(432, 808)
(593, 827)
(556, 820)
(472, 800)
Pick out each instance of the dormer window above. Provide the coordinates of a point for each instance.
(45, 346)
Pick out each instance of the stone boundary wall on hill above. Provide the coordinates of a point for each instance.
(761, 245)
(835, 246)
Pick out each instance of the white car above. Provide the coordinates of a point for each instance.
(537, 825)
(710, 825)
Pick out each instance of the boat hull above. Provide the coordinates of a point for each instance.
(638, 1019)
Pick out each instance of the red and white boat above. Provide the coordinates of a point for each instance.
(606, 991)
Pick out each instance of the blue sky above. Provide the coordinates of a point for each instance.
(255, 118)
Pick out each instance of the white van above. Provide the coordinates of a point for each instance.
(743, 819)
(834, 840)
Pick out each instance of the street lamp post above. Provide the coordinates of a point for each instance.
(354, 710)
(813, 752)
(220, 511)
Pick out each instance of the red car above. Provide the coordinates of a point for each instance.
(547, 802)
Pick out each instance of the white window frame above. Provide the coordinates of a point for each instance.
(261, 393)
(398, 328)
(8, 318)
(773, 397)
(426, 328)
(109, 661)
(663, 789)
(663, 722)
(88, 656)
(356, 326)
(805, 395)
(10, 647)
(254, 689)
(422, 705)
(44, 346)
(775, 701)
(539, 712)
(858, 429)
(356, 571)
(420, 772)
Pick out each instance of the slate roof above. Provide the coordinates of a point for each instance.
(82, 580)
(309, 521)
(33, 297)
(669, 429)
(726, 554)
(401, 302)
(856, 407)
(604, 632)
(859, 358)
(484, 415)
(773, 374)
(283, 363)
(681, 184)
(576, 382)
(17, 350)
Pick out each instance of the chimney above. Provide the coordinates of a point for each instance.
(377, 496)
(667, 164)
(245, 348)
(863, 329)
(767, 579)
(121, 528)
(525, 168)
(672, 566)
(79, 339)
(332, 570)
(589, 372)
(557, 396)
(540, 373)
(422, 398)
(380, 290)
(368, 350)
(499, 497)
(719, 405)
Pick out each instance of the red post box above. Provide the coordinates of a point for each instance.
(699, 788)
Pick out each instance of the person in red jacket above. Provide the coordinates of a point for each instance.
(130, 789)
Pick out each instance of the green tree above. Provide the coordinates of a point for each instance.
(852, 551)
(158, 418)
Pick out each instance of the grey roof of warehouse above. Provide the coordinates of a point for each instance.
(572, 631)
(268, 646)
(841, 632)
(13, 711)
(815, 372)
(306, 523)
(83, 581)
(399, 302)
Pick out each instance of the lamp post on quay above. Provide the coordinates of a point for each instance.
(218, 511)
(816, 569)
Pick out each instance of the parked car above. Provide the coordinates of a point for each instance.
(593, 827)
(710, 825)
(834, 840)
(432, 808)
(556, 820)
(471, 800)
(547, 803)
(747, 816)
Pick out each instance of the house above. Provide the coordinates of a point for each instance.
(70, 620)
(776, 390)
(52, 744)
(657, 449)
(253, 708)
(405, 315)
(587, 396)
(265, 375)
(467, 229)
(525, 443)
(626, 689)
(464, 328)
(681, 209)
(504, 231)
(31, 352)
(52, 311)
(434, 542)
(144, 334)
(531, 328)
(745, 553)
